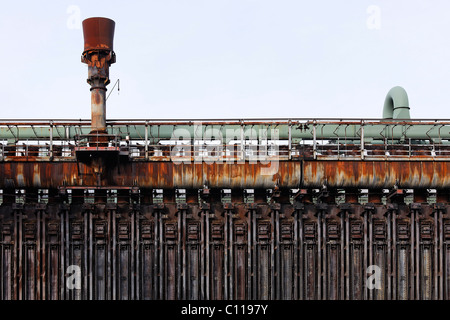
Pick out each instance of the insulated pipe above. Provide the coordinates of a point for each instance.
(396, 104)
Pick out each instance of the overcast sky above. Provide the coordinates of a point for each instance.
(179, 59)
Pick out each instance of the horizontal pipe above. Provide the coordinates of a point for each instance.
(226, 132)
(285, 174)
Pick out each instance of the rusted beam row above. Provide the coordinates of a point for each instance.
(206, 248)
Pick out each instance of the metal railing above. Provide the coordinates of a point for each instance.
(237, 140)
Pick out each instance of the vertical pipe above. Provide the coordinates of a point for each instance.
(91, 258)
(366, 297)
(232, 268)
(157, 239)
(38, 254)
(132, 248)
(417, 256)
(67, 248)
(302, 258)
(226, 255)
(162, 257)
(146, 140)
(114, 253)
(412, 254)
(298, 243)
(371, 247)
(136, 270)
(182, 233)
(436, 261)
(256, 266)
(250, 244)
(182, 247)
(20, 246)
(402, 273)
(86, 260)
(205, 261)
(389, 255)
(272, 286)
(319, 259)
(15, 256)
(348, 250)
(394, 257)
(441, 256)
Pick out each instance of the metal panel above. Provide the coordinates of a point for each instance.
(225, 251)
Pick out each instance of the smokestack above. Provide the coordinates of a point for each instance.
(98, 54)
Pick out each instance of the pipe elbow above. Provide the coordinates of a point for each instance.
(396, 104)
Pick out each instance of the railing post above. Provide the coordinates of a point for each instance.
(242, 157)
(362, 139)
(314, 140)
(51, 140)
(290, 140)
(146, 140)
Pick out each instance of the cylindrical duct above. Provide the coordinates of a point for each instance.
(98, 54)
(396, 104)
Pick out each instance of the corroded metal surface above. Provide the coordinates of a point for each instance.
(147, 175)
(289, 174)
(375, 174)
(213, 250)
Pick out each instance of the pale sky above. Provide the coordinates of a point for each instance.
(179, 59)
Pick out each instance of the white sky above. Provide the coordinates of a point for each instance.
(180, 59)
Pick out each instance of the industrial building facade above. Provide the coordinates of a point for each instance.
(284, 209)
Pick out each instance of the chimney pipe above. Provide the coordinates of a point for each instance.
(98, 54)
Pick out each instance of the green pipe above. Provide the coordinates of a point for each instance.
(396, 104)
(396, 107)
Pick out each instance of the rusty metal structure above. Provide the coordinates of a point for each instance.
(223, 209)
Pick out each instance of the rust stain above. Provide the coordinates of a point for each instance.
(290, 174)
(376, 174)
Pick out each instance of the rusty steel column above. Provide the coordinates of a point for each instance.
(98, 55)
